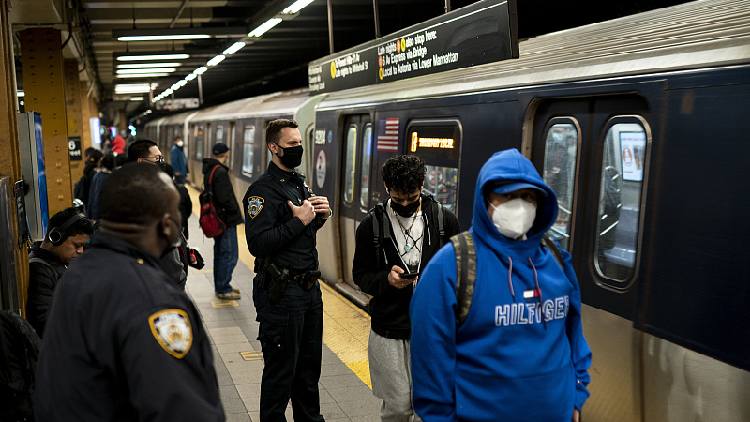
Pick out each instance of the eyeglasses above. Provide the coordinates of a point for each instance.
(159, 159)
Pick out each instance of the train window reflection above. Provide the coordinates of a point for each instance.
(364, 190)
(199, 144)
(619, 201)
(350, 158)
(247, 150)
(220, 134)
(560, 158)
(442, 184)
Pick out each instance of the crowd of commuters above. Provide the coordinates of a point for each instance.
(448, 341)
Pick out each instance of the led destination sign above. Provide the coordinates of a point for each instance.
(434, 140)
(483, 32)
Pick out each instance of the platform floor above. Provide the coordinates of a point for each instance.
(345, 391)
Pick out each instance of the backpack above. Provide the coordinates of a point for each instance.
(210, 222)
(466, 269)
(19, 353)
(382, 231)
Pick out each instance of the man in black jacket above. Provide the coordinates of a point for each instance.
(68, 231)
(228, 210)
(413, 221)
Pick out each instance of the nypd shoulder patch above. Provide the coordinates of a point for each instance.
(171, 328)
(254, 206)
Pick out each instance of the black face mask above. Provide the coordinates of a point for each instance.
(292, 156)
(405, 210)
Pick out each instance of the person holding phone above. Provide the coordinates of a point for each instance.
(406, 228)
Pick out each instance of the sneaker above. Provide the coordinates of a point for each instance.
(229, 296)
(235, 290)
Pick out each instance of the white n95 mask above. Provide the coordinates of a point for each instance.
(514, 218)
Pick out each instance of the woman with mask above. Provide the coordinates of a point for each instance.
(517, 353)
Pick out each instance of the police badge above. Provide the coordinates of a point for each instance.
(254, 205)
(171, 328)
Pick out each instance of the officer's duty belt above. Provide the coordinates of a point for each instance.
(305, 279)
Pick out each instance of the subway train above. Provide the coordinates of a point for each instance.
(636, 123)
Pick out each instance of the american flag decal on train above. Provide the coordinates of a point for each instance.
(388, 135)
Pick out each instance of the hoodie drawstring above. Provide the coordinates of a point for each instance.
(539, 290)
(510, 282)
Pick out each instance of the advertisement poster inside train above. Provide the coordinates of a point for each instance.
(633, 145)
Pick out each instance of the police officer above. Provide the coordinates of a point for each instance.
(122, 342)
(281, 220)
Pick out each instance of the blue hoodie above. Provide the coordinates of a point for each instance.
(512, 359)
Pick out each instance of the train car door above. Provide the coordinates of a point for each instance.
(356, 183)
(593, 152)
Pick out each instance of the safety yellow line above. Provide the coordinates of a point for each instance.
(346, 328)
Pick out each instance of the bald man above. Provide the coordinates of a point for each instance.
(122, 342)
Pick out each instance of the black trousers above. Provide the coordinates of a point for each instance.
(291, 334)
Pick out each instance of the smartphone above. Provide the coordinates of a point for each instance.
(408, 275)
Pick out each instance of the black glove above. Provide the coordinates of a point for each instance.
(196, 260)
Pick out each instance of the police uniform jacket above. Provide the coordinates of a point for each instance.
(270, 226)
(225, 202)
(43, 278)
(123, 344)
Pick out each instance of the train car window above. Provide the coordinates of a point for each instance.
(199, 144)
(220, 134)
(350, 157)
(247, 150)
(561, 156)
(622, 182)
(438, 142)
(364, 189)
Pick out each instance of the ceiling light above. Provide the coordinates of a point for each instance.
(146, 70)
(133, 88)
(257, 32)
(155, 57)
(182, 83)
(216, 60)
(20, 93)
(234, 48)
(140, 65)
(200, 70)
(164, 37)
(190, 77)
(143, 75)
(297, 6)
(136, 98)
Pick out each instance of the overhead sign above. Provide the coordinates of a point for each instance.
(177, 104)
(483, 32)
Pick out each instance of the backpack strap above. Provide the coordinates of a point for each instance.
(550, 244)
(466, 269)
(36, 260)
(381, 231)
(440, 223)
(211, 176)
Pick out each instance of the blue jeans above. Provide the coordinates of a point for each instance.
(225, 259)
(291, 335)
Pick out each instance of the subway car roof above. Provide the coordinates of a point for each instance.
(706, 33)
(270, 104)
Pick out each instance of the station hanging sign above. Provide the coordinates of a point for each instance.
(177, 104)
(481, 33)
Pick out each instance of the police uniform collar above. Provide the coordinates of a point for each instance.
(117, 244)
(282, 175)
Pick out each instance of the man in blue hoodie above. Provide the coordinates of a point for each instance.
(520, 354)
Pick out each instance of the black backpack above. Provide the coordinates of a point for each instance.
(19, 353)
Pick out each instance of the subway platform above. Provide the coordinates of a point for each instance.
(345, 391)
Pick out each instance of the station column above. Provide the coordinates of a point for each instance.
(10, 158)
(41, 55)
(74, 110)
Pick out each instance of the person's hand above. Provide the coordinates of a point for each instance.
(395, 281)
(321, 206)
(304, 212)
(576, 414)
